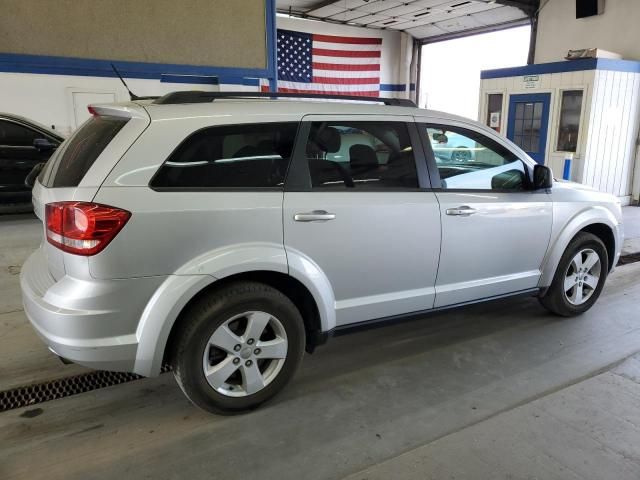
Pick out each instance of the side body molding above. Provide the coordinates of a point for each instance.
(560, 240)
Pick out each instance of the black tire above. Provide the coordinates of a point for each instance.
(554, 298)
(205, 316)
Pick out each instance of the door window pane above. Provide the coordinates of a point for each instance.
(237, 156)
(15, 135)
(571, 106)
(527, 124)
(361, 156)
(494, 111)
(469, 160)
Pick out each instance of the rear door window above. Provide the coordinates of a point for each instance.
(81, 151)
(361, 156)
(234, 156)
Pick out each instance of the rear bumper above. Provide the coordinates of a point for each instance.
(89, 322)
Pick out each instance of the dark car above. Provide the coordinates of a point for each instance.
(23, 145)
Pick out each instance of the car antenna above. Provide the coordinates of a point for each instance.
(132, 95)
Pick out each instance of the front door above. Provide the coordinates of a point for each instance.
(495, 228)
(528, 123)
(360, 215)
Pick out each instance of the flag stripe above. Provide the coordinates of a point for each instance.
(359, 93)
(325, 87)
(350, 40)
(346, 60)
(346, 67)
(331, 74)
(346, 46)
(346, 81)
(345, 53)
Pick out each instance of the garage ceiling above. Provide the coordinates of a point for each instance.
(427, 20)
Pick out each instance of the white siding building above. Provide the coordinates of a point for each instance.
(585, 110)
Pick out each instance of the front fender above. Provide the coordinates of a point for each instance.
(589, 216)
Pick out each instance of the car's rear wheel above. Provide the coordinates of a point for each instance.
(238, 347)
(579, 278)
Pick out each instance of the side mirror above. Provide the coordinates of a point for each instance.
(542, 177)
(440, 138)
(44, 144)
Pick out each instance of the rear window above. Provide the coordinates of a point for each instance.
(235, 156)
(71, 164)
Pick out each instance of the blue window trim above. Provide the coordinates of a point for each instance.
(165, 72)
(566, 66)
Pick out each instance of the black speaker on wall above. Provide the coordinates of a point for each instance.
(589, 8)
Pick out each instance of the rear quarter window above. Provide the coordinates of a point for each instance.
(234, 156)
(79, 153)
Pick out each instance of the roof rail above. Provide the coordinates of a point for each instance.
(196, 96)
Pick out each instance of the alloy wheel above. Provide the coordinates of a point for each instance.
(245, 354)
(582, 276)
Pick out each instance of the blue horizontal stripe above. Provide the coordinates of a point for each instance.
(393, 87)
(566, 66)
(45, 64)
(199, 79)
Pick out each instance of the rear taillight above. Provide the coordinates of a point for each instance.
(83, 228)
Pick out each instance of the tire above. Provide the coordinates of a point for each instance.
(232, 313)
(461, 154)
(566, 302)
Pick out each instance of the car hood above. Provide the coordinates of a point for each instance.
(566, 184)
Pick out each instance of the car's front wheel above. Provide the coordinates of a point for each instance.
(238, 347)
(579, 278)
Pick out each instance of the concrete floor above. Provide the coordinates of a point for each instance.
(500, 390)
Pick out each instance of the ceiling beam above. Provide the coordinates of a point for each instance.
(528, 7)
(474, 31)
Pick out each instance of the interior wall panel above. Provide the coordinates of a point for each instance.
(193, 32)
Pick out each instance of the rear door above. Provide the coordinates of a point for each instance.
(357, 204)
(495, 228)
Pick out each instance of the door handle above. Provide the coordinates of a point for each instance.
(315, 216)
(463, 211)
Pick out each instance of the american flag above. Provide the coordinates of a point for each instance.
(311, 63)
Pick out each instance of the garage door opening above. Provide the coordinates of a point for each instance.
(450, 70)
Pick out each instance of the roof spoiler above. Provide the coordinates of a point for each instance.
(122, 111)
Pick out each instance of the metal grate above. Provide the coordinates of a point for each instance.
(64, 387)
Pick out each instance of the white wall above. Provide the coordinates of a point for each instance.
(396, 46)
(613, 129)
(615, 30)
(48, 99)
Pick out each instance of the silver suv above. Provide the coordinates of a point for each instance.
(225, 235)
